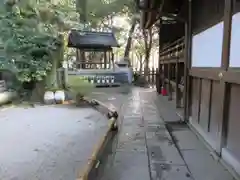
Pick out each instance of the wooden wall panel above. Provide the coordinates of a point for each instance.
(214, 111)
(205, 108)
(233, 135)
(205, 104)
(195, 98)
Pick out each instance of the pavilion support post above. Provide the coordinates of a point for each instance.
(105, 59)
(224, 87)
(82, 59)
(112, 59)
(77, 59)
(187, 63)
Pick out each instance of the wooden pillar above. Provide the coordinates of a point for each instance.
(112, 59)
(105, 59)
(169, 87)
(178, 96)
(160, 76)
(109, 59)
(158, 73)
(78, 63)
(164, 75)
(187, 63)
(190, 78)
(224, 97)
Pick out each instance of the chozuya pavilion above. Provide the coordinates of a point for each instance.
(100, 70)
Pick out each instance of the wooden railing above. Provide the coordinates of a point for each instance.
(173, 51)
(151, 76)
(171, 66)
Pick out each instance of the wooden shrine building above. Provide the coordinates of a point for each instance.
(199, 64)
(94, 42)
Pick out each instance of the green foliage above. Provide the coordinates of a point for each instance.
(79, 87)
(30, 36)
(30, 33)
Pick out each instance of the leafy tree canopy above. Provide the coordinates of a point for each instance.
(30, 35)
(32, 31)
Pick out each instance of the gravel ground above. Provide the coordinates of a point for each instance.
(47, 142)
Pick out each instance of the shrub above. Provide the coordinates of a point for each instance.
(79, 87)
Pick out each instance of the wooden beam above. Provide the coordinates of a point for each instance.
(231, 76)
(224, 87)
(153, 13)
(205, 73)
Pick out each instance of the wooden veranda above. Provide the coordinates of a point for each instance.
(200, 62)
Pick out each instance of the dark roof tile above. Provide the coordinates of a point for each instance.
(92, 40)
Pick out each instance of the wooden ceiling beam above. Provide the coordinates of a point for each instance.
(168, 8)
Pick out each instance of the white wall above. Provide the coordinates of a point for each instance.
(207, 47)
(235, 42)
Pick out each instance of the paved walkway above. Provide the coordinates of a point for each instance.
(144, 149)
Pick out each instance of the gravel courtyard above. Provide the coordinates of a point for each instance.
(47, 142)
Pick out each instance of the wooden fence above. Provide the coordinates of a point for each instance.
(151, 77)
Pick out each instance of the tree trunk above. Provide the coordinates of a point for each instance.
(148, 47)
(129, 41)
(57, 59)
(141, 65)
(51, 78)
(146, 65)
(81, 7)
